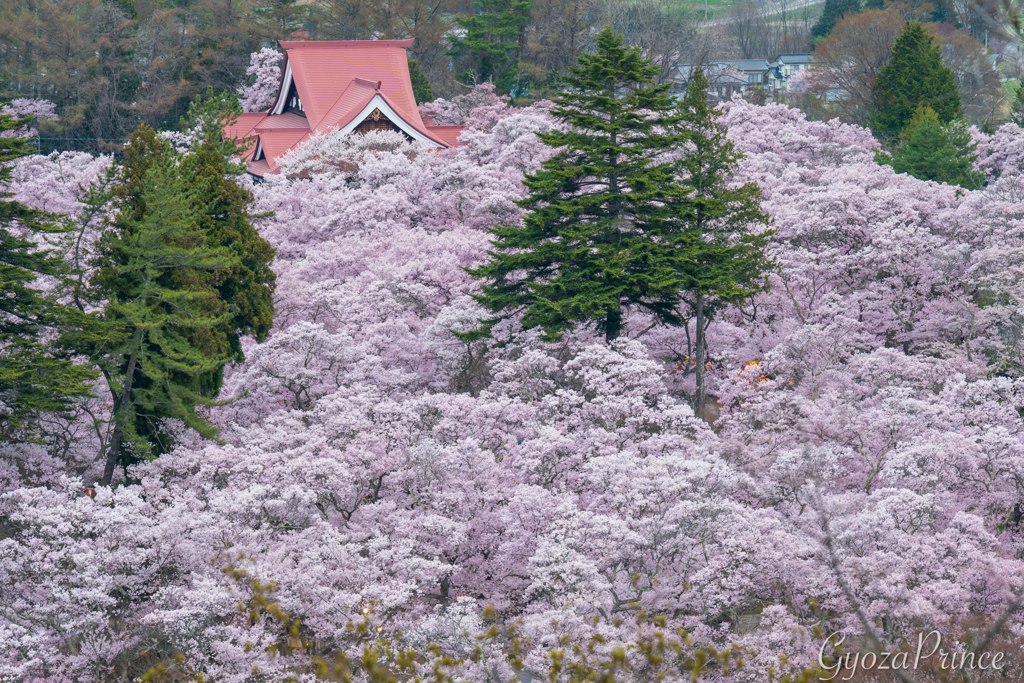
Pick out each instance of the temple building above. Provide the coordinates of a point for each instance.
(352, 86)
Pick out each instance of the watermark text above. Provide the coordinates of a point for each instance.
(928, 646)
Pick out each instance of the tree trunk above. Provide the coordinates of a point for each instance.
(113, 452)
(613, 325)
(120, 403)
(698, 397)
(446, 584)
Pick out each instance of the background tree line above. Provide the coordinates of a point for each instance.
(111, 65)
(854, 42)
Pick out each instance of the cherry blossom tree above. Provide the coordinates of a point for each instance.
(21, 107)
(480, 102)
(265, 73)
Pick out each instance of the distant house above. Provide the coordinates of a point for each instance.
(729, 76)
(724, 80)
(788, 64)
(756, 70)
(352, 86)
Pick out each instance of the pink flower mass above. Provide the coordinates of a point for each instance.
(21, 107)
(866, 457)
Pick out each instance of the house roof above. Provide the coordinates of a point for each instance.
(746, 65)
(338, 84)
(241, 129)
(794, 58)
(727, 79)
(717, 73)
(449, 134)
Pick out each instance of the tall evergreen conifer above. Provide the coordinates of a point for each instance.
(725, 229)
(33, 379)
(914, 75)
(184, 276)
(598, 237)
(154, 269)
(493, 42)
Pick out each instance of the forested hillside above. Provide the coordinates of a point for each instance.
(111, 65)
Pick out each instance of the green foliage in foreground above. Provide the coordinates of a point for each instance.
(654, 655)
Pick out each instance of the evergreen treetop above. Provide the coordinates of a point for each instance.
(421, 88)
(931, 151)
(833, 11)
(492, 43)
(597, 238)
(915, 75)
(205, 120)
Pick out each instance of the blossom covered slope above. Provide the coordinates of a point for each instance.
(378, 468)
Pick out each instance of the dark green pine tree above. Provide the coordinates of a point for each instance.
(34, 379)
(602, 232)
(914, 75)
(247, 286)
(833, 11)
(222, 206)
(931, 151)
(490, 49)
(156, 306)
(421, 88)
(725, 228)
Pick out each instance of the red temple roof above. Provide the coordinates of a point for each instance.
(336, 85)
